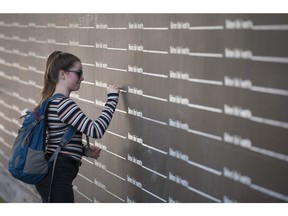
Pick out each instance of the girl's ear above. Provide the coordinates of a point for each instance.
(62, 74)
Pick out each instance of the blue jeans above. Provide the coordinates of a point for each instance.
(66, 170)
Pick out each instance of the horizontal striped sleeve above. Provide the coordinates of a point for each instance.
(70, 113)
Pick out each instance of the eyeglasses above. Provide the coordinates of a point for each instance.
(79, 73)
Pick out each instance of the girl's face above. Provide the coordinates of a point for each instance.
(74, 77)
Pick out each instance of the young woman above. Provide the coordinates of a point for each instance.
(63, 75)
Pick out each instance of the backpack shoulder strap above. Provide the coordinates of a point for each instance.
(68, 135)
(64, 140)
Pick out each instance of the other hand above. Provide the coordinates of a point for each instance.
(92, 151)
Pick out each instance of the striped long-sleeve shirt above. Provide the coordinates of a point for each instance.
(63, 112)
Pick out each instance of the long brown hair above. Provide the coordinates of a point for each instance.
(55, 62)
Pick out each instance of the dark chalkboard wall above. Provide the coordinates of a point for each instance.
(202, 115)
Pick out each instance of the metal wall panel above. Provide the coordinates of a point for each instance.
(202, 115)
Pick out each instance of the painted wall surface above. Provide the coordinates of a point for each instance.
(202, 115)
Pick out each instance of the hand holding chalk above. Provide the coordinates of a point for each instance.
(113, 89)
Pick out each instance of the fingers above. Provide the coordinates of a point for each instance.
(96, 156)
(113, 89)
(96, 152)
(96, 149)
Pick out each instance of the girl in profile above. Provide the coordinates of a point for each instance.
(63, 75)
